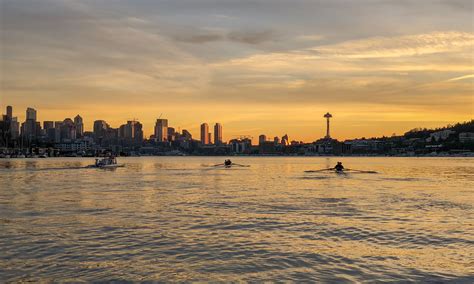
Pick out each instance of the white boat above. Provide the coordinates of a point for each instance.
(106, 163)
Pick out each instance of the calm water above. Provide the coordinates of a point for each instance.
(174, 219)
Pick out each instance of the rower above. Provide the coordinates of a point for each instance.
(227, 163)
(339, 167)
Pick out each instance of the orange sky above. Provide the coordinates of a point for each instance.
(379, 67)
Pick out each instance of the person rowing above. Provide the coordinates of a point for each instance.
(228, 163)
(339, 167)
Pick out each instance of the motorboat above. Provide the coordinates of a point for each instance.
(106, 163)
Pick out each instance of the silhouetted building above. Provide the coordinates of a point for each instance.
(161, 130)
(241, 146)
(47, 124)
(79, 124)
(9, 112)
(68, 130)
(218, 134)
(100, 130)
(31, 114)
(262, 139)
(204, 134)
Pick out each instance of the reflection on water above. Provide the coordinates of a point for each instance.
(174, 218)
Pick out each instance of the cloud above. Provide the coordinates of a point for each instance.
(244, 37)
(470, 76)
(409, 45)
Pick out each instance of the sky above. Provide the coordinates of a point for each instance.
(257, 67)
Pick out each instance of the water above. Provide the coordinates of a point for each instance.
(175, 219)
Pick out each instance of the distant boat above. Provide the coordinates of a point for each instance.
(106, 163)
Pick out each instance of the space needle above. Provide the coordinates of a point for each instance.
(327, 116)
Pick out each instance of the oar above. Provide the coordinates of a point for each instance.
(246, 166)
(217, 165)
(322, 170)
(360, 171)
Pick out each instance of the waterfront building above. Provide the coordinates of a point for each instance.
(161, 130)
(218, 134)
(241, 146)
(204, 134)
(262, 139)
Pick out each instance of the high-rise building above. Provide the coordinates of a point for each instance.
(79, 126)
(9, 112)
(217, 134)
(100, 129)
(285, 141)
(161, 130)
(209, 137)
(276, 140)
(132, 132)
(262, 139)
(29, 128)
(68, 130)
(48, 124)
(31, 114)
(204, 134)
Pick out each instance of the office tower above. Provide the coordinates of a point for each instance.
(68, 130)
(31, 114)
(276, 140)
(262, 139)
(285, 141)
(9, 112)
(29, 127)
(48, 124)
(132, 132)
(100, 129)
(161, 130)
(14, 128)
(209, 135)
(79, 126)
(218, 134)
(171, 134)
(204, 134)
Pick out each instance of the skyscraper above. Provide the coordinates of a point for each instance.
(100, 129)
(9, 112)
(79, 126)
(204, 134)
(48, 124)
(29, 127)
(161, 130)
(218, 134)
(31, 114)
(262, 139)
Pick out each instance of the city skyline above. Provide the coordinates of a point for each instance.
(160, 131)
(249, 66)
